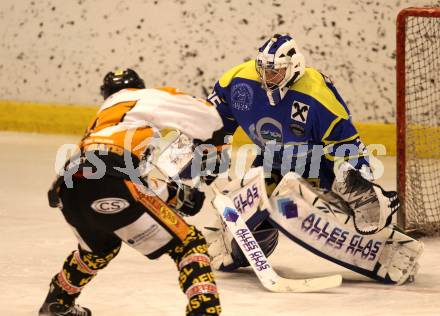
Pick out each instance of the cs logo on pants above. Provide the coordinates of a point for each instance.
(110, 205)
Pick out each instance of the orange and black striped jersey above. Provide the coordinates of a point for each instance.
(128, 119)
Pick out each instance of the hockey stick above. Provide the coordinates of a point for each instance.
(257, 259)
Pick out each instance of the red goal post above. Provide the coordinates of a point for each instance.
(418, 118)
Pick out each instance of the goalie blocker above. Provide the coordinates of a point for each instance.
(306, 216)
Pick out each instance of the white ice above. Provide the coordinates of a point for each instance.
(34, 241)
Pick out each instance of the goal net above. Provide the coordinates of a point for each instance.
(418, 119)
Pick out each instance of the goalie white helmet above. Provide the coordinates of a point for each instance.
(279, 64)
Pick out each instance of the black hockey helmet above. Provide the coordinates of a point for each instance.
(121, 79)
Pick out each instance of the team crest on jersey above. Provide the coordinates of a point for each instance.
(299, 112)
(242, 97)
(270, 134)
(266, 130)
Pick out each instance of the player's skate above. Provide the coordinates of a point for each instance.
(372, 206)
(58, 309)
(56, 304)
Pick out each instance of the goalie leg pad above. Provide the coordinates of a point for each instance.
(398, 260)
(224, 251)
(304, 216)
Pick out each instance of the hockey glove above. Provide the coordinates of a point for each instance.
(185, 199)
(53, 195)
(372, 206)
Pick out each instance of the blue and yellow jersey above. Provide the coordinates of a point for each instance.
(304, 132)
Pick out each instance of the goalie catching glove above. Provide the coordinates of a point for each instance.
(372, 207)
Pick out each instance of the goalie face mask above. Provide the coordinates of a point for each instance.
(279, 64)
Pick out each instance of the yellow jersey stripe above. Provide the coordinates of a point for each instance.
(330, 128)
(313, 84)
(246, 70)
(328, 142)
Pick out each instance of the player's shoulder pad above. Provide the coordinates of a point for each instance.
(312, 83)
(246, 71)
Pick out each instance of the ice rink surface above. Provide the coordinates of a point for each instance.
(34, 241)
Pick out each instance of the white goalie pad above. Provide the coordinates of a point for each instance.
(249, 198)
(248, 194)
(305, 216)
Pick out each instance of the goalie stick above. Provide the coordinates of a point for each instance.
(257, 259)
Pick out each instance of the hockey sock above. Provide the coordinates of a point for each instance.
(78, 270)
(196, 278)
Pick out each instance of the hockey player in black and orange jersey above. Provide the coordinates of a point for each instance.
(107, 196)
